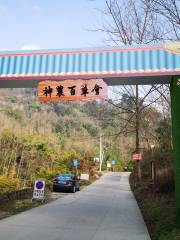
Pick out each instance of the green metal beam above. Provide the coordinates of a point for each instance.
(175, 110)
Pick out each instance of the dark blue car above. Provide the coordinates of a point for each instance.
(66, 182)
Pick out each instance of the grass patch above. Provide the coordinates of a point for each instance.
(17, 206)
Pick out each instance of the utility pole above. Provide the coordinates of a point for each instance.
(100, 153)
(137, 131)
(153, 171)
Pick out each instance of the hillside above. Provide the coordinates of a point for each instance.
(39, 140)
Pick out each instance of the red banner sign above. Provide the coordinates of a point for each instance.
(137, 157)
(72, 90)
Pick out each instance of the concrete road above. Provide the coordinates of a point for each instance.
(105, 210)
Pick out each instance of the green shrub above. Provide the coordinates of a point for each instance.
(12, 99)
(14, 113)
(90, 129)
(9, 184)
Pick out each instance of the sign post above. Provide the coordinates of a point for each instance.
(39, 187)
(113, 163)
(137, 157)
(75, 164)
(109, 165)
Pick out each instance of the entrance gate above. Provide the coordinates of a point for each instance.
(156, 64)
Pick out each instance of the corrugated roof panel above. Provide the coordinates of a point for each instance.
(154, 60)
(176, 60)
(100, 62)
(160, 63)
(11, 65)
(132, 59)
(121, 61)
(24, 65)
(125, 61)
(16, 65)
(60, 64)
(103, 68)
(129, 66)
(107, 62)
(27, 66)
(46, 65)
(30, 67)
(37, 64)
(6, 65)
(165, 60)
(43, 64)
(150, 59)
(89, 62)
(110, 62)
(135, 60)
(70, 65)
(49, 64)
(83, 62)
(67, 64)
(114, 61)
(1, 64)
(146, 60)
(4, 60)
(169, 60)
(34, 64)
(86, 62)
(138, 57)
(57, 63)
(94, 60)
(79, 63)
(76, 63)
(118, 61)
(52, 66)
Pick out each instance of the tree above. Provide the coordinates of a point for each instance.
(133, 22)
(168, 11)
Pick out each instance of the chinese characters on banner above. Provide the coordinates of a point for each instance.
(72, 90)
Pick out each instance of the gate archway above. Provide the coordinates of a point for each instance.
(116, 66)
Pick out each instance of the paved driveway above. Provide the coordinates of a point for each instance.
(105, 210)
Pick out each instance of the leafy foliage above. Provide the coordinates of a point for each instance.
(9, 184)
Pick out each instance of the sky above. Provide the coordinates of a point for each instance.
(50, 24)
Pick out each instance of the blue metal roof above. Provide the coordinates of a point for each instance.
(104, 63)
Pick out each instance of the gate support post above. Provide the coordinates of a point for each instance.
(175, 110)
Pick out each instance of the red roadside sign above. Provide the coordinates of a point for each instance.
(136, 157)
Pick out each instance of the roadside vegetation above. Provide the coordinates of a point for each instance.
(157, 201)
(41, 140)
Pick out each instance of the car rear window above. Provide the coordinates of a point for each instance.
(64, 177)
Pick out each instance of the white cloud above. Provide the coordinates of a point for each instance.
(30, 47)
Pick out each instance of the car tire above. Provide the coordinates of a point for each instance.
(73, 190)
